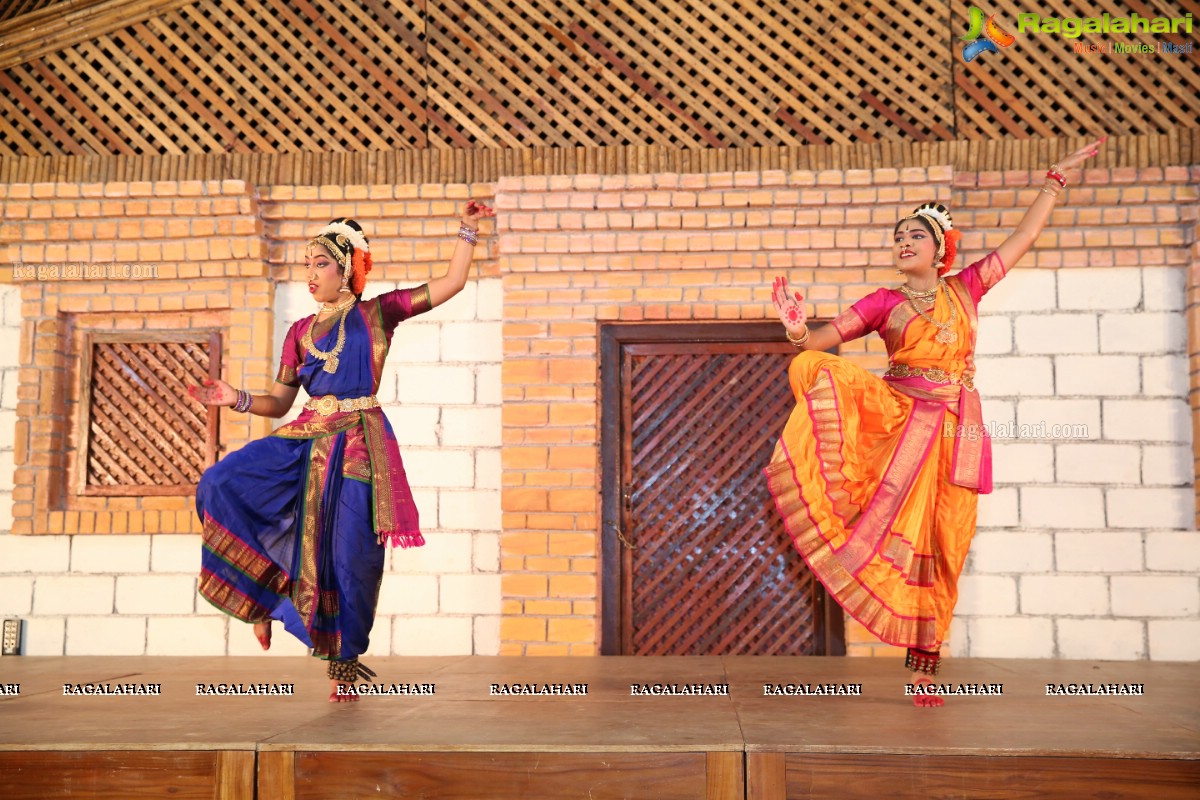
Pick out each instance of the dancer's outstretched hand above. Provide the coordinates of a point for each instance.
(790, 307)
(1076, 159)
(474, 212)
(213, 393)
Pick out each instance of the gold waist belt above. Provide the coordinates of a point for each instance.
(328, 404)
(933, 375)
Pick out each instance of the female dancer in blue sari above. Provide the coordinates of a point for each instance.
(295, 524)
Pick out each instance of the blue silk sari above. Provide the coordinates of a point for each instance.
(295, 524)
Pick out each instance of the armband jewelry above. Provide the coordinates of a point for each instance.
(1056, 174)
(468, 235)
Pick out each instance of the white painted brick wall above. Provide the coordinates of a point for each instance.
(432, 636)
(1098, 376)
(1121, 575)
(111, 554)
(175, 553)
(1173, 551)
(1165, 375)
(1022, 291)
(1164, 289)
(1011, 552)
(1000, 509)
(1078, 289)
(1015, 461)
(1098, 463)
(1147, 420)
(994, 338)
(1009, 376)
(1056, 333)
(1155, 596)
(1064, 595)
(1042, 417)
(1098, 551)
(1174, 639)
(186, 636)
(156, 594)
(1149, 332)
(1150, 508)
(106, 636)
(1062, 507)
(1011, 637)
(73, 594)
(1101, 639)
(986, 594)
(16, 596)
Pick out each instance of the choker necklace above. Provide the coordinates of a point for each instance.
(339, 305)
(913, 294)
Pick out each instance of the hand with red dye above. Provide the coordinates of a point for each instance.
(474, 212)
(213, 393)
(1081, 155)
(790, 307)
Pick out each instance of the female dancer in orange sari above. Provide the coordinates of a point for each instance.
(878, 479)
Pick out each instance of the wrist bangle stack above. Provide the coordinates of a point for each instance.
(468, 235)
(242, 404)
(1057, 174)
(800, 341)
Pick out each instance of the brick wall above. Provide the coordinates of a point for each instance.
(1086, 549)
(1070, 531)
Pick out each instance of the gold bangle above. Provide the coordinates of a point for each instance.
(797, 342)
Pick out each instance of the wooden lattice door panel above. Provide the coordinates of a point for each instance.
(140, 433)
(703, 564)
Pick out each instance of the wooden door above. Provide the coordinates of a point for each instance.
(695, 557)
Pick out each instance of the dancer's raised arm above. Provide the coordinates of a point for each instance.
(1030, 227)
(443, 288)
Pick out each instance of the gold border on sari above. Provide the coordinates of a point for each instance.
(305, 589)
(924, 422)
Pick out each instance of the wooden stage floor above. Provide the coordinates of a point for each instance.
(462, 741)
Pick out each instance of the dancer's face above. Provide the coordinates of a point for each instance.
(321, 272)
(913, 247)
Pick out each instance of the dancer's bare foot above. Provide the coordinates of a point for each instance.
(347, 694)
(262, 632)
(925, 700)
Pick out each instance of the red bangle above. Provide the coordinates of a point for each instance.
(1058, 176)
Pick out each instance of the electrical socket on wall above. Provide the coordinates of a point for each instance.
(12, 638)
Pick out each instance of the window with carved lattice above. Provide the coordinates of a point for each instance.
(140, 433)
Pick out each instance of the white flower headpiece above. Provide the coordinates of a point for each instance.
(355, 238)
(939, 213)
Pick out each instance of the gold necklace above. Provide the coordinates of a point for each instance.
(330, 358)
(339, 305)
(946, 333)
(913, 294)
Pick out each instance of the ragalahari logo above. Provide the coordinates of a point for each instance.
(982, 25)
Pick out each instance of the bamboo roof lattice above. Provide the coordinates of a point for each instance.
(248, 78)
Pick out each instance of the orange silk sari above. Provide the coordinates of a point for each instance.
(877, 479)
